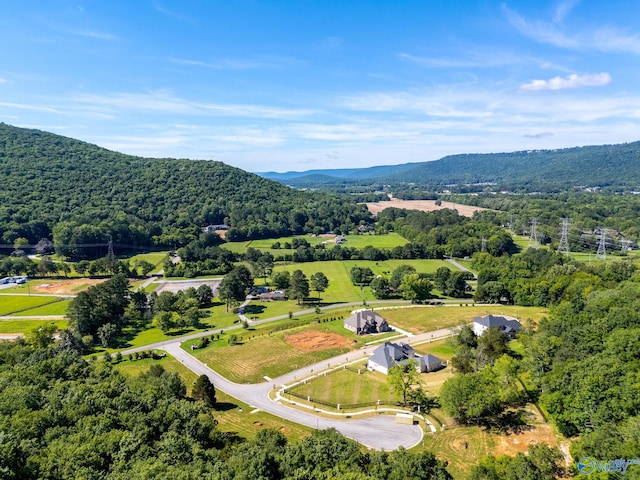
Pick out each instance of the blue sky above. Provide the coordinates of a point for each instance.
(306, 84)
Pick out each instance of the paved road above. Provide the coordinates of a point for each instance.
(379, 432)
(460, 267)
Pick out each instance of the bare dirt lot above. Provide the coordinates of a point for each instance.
(313, 340)
(422, 205)
(177, 285)
(67, 287)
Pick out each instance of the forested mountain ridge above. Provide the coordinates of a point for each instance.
(53, 186)
(544, 170)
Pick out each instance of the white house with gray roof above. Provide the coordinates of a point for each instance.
(389, 355)
(509, 326)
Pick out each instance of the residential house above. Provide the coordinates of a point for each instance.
(508, 326)
(366, 321)
(389, 355)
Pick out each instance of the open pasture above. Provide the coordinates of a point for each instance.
(389, 240)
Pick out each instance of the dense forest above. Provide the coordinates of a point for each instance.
(75, 193)
(527, 171)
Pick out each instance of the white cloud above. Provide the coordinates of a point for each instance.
(605, 39)
(570, 81)
(3, 81)
(164, 101)
(93, 34)
(563, 8)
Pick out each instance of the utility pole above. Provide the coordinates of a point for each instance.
(602, 247)
(563, 247)
(533, 234)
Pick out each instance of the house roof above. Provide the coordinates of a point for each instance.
(391, 354)
(497, 321)
(358, 319)
(429, 359)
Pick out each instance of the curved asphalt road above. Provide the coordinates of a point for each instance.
(379, 432)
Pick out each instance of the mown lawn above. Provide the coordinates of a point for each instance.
(387, 241)
(55, 308)
(23, 326)
(427, 318)
(347, 387)
(340, 288)
(17, 304)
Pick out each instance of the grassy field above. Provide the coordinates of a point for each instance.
(265, 352)
(389, 240)
(22, 326)
(440, 348)
(340, 288)
(428, 318)
(18, 304)
(348, 387)
(54, 308)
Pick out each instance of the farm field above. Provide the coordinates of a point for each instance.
(18, 304)
(420, 319)
(233, 416)
(389, 240)
(348, 387)
(268, 353)
(22, 326)
(422, 205)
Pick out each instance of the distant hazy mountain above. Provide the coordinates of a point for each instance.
(596, 166)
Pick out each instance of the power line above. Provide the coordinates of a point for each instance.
(563, 246)
(533, 234)
(602, 245)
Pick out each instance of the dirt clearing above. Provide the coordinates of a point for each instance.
(313, 340)
(67, 287)
(422, 205)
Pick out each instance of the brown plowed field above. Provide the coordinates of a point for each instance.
(313, 340)
(422, 205)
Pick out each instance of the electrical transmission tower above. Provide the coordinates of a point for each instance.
(110, 253)
(602, 246)
(563, 247)
(484, 245)
(533, 234)
(625, 245)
